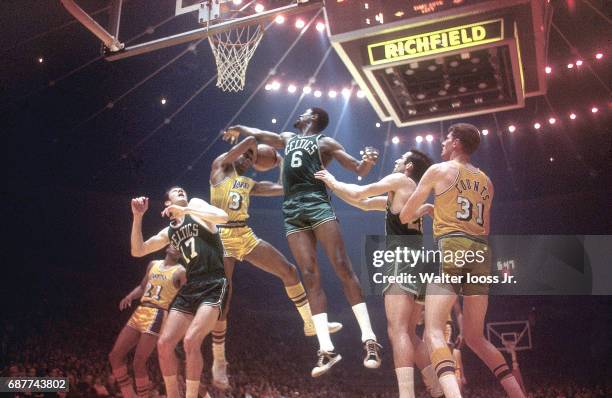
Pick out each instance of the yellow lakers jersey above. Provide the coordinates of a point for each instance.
(233, 195)
(464, 207)
(160, 289)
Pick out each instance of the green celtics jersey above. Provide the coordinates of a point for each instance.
(302, 160)
(201, 250)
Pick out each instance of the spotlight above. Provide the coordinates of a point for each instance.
(537, 125)
(429, 137)
(432, 68)
(482, 85)
(346, 92)
(485, 132)
(360, 94)
(548, 70)
(306, 89)
(320, 26)
(572, 116)
(332, 93)
(318, 93)
(594, 109)
(454, 63)
(41, 60)
(377, 124)
(163, 101)
(512, 128)
(478, 100)
(552, 120)
(299, 23)
(268, 87)
(395, 140)
(456, 104)
(237, 2)
(273, 121)
(462, 89)
(442, 93)
(359, 178)
(259, 7)
(291, 88)
(419, 139)
(599, 55)
(433, 108)
(412, 111)
(570, 66)
(275, 85)
(551, 159)
(279, 19)
(420, 96)
(579, 62)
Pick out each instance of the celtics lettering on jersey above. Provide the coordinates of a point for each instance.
(302, 160)
(183, 238)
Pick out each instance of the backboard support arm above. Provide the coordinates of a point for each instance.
(111, 42)
(204, 32)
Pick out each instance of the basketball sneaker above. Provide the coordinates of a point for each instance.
(219, 375)
(372, 357)
(309, 328)
(327, 359)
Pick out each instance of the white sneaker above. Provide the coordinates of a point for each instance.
(326, 360)
(372, 357)
(219, 375)
(309, 328)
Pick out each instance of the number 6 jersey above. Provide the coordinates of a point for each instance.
(463, 209)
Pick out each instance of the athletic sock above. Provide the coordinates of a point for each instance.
(405, 382)
(298, 296)
(363, 318)
(218, 341)
(444, 365)
(320, 322)
(171, 383)
(431, 382)
(508, 381)
(193, 387)
(143, 386)
(124, 381)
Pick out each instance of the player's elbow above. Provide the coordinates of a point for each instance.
(137, 252)
(222, 217)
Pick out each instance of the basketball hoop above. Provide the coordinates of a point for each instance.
(233, 50)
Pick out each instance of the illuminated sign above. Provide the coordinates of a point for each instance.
(436, 42)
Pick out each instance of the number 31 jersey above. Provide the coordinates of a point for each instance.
(463, 209)
(233, 195)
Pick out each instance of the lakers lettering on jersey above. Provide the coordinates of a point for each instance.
(463, 209)
(160, 289)
(233, 195)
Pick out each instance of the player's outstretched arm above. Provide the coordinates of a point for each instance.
(412, 208)
(265, 137)
(198, 208)
(140, 247)
(229, 157)
(267, 188)
(390, 183)
(360, 167)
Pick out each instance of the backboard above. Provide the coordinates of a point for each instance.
(510, 336)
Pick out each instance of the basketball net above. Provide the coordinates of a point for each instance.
(233, 50)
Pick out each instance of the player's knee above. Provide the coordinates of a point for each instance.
(434, 338)
(474, 340)
(192, 343)
(312, 278)
(164, 347)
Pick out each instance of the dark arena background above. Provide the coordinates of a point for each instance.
(88, 125)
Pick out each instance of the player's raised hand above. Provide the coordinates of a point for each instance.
(173, 211)
(370, 154)
(125, 303)
(231, 135)
(140, 205)
(325, 176)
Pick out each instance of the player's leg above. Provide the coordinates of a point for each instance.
(203, 322)
(328, 234)
(126, 341)
(421, 355)
(145, 347)
(267, 258)
(438, 304)
(303, 246)
(398, 308)
(474, 312)
(219, 368)
(173, 331)
(459, 373)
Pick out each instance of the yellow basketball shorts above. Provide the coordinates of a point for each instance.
(148, 320)
(463, 256)
(238, 242)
